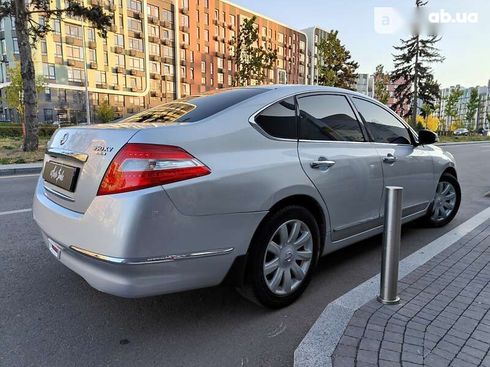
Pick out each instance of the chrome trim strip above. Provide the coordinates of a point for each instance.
(59, 194)
(65, 153)
(153, 260)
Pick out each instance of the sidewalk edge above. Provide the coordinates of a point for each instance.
(318, 345)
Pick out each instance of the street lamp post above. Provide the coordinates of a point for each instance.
(87, 103)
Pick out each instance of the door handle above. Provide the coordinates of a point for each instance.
(390, 158)
(322, 163)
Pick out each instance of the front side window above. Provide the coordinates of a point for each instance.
(279, 120)
(383, 126)
(328, 117)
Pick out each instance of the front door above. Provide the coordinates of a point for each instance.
(404, 164)
(342, 165)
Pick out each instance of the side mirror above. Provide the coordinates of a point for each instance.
(427, 137)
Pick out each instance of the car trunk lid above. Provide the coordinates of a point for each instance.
(77, 159)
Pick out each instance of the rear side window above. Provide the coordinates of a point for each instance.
(383, 126)
(328, 117)
(192, 109)
(279, 120)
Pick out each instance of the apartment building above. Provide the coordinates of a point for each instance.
(156, 51)
(314, 36)
(479, 120)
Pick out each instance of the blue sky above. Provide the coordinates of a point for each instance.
(466, 45)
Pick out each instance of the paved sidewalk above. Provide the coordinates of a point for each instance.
(20, 169)
(443, 318)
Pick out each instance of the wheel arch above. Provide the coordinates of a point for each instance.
(237, 273)
(450, 170)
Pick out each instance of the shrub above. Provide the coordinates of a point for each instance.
(9, 130)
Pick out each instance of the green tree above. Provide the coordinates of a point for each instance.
(426, 110)
(411, 67)
(105, 113)
(14, 92)
(452, 105)
(335, 66)
(381, 81)
(252, 62)
(32, 22)
(472, 107)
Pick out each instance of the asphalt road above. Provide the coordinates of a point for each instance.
(50, 317)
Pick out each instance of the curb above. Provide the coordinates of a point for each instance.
(19, 170)
(317, 347)
(463, 143)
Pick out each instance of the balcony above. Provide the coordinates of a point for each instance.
(92, 45)
(166, 42)
(134, 14)
(168, 60)
(120, 70)
(69, 40)
(132, 52)
(101, 85)
(166, 24)
(93, 65)
(184, 45)
(155, 58)
(155, 93)
(184, 29)
(118, 50)
(183, 62)
(153, 39)
(168, 78)
(155, 76)
(153, 20)
(135, 72)
(185, 11)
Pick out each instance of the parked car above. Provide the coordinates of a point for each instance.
(483, 131)
(247, 185)
(461, 132)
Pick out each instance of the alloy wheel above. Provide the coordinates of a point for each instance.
(444, 201)
(288, 257)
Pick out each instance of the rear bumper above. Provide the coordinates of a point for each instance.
(138, 244)
(132, 280)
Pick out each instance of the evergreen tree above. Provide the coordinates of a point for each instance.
(336, 68)
(412, 68)
(32, 22)
(252, 62)
(381, 81)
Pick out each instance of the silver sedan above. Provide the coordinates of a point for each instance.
(246, 185)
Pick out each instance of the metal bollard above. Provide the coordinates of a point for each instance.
(388, 290)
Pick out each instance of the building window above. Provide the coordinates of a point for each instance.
(16, 45)
(167, 15)
(73, 52)
(44, 47)
(106, 58)
(57, 26)
(91, 34)
(155, 67)
(168, 52)
(185, 20)
(48, 114)
(119, 40)
(58, 51)
(75, 75)
(73, 30)
(92, 55)
(154, 49)
(134, 5)
(135, 44)
(134, 25)
(120, 60)
(47, 95)
(154, 31)
(49, 71)
(153, 10)
(100, 77)
(135, 63)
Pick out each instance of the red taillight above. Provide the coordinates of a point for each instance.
(138, 166)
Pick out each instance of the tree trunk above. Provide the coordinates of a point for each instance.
(28, 77)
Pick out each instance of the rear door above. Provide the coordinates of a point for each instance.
(404, 163)
(341, 163)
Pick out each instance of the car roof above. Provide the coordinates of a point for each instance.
(288, 89)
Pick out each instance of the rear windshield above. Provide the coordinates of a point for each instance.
(195, 108)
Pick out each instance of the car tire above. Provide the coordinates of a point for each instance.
(450, 183)
(293, 255)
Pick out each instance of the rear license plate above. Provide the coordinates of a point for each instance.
(61, 175)
(54, 248)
